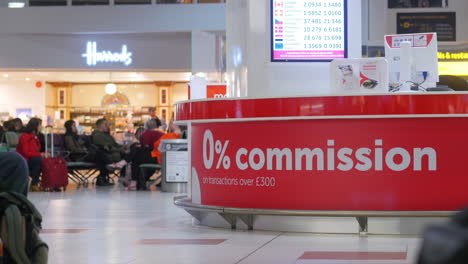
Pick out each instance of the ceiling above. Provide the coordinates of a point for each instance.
(93, 76)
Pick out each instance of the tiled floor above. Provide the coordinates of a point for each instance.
(112, 226)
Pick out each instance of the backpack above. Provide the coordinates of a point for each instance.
(19, 230)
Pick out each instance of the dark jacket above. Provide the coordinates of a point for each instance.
(77, 148)
(74, 144)
(107, 143)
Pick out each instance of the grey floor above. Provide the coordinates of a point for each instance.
(109, 225)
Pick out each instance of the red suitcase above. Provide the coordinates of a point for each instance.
(54, 170)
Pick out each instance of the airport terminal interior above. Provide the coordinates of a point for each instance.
(233, 131)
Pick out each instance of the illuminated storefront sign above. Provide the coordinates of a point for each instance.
(93, 56)
(453, 56)
(453, 62)
(458, 68)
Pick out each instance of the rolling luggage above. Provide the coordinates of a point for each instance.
(54, 170)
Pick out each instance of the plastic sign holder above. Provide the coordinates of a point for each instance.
(359, 76)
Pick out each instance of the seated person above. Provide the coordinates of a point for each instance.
(141, 153)
(139, 133)
(29, 147)
(2, 131)
(176, 134)
(13, 173)
(109, 152)
(76, 145)
(18, 125)
(10, 137)
(153, 132)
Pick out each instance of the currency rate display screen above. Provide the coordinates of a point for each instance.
(308, 30)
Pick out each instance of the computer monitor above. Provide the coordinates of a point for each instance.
(412, 60)
(309, 31)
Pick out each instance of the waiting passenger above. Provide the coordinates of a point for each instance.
(76, 145)
(141, 153)
(29, 147)
(153, 132)
(109, 151)
(18, 124)
(176, 134)
(10, 137)
(139, 133)
(2, 131)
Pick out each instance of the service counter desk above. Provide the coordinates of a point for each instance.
(279, 163)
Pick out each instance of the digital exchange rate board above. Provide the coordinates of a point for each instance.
(308, 30)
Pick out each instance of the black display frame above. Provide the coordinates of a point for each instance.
(272, 50)
(451, 19)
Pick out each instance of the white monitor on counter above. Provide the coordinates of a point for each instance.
(412, 60)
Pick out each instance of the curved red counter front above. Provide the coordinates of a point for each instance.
(398, 152)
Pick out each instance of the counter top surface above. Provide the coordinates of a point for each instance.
(346, 106)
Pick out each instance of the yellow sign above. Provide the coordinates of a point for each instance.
(453, 56)
(458, 68)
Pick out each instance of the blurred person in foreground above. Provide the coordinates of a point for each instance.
(13, 173)
(446, 243)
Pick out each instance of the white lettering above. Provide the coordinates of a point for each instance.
(379, 155)
(365, 163)
(346, 163)
(309, 155)
(347, 159)
(390, 159)
(241, 152)
(279, 155)
(93, 56)
(331, 155)
(431, 156)
(261, 159)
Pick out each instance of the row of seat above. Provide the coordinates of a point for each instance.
(81, 172)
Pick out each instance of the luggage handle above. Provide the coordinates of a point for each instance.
(51, 141)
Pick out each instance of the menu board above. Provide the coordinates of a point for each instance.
(308, 30)
(417, 4)
(443, 23)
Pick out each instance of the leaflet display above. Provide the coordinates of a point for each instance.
(309, 30)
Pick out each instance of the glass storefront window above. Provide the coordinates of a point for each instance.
(189, 1)
(132, 2)
(173, 1)
(211, 1)
(47, 2)
(4, 3)
(90, 2)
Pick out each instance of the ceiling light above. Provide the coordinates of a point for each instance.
(6, 75)
(16, 4)
(201, 74)
(27, 79)
(111, 88)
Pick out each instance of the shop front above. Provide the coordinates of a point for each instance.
(121, 77)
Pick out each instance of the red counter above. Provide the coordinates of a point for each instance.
(348, 153)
